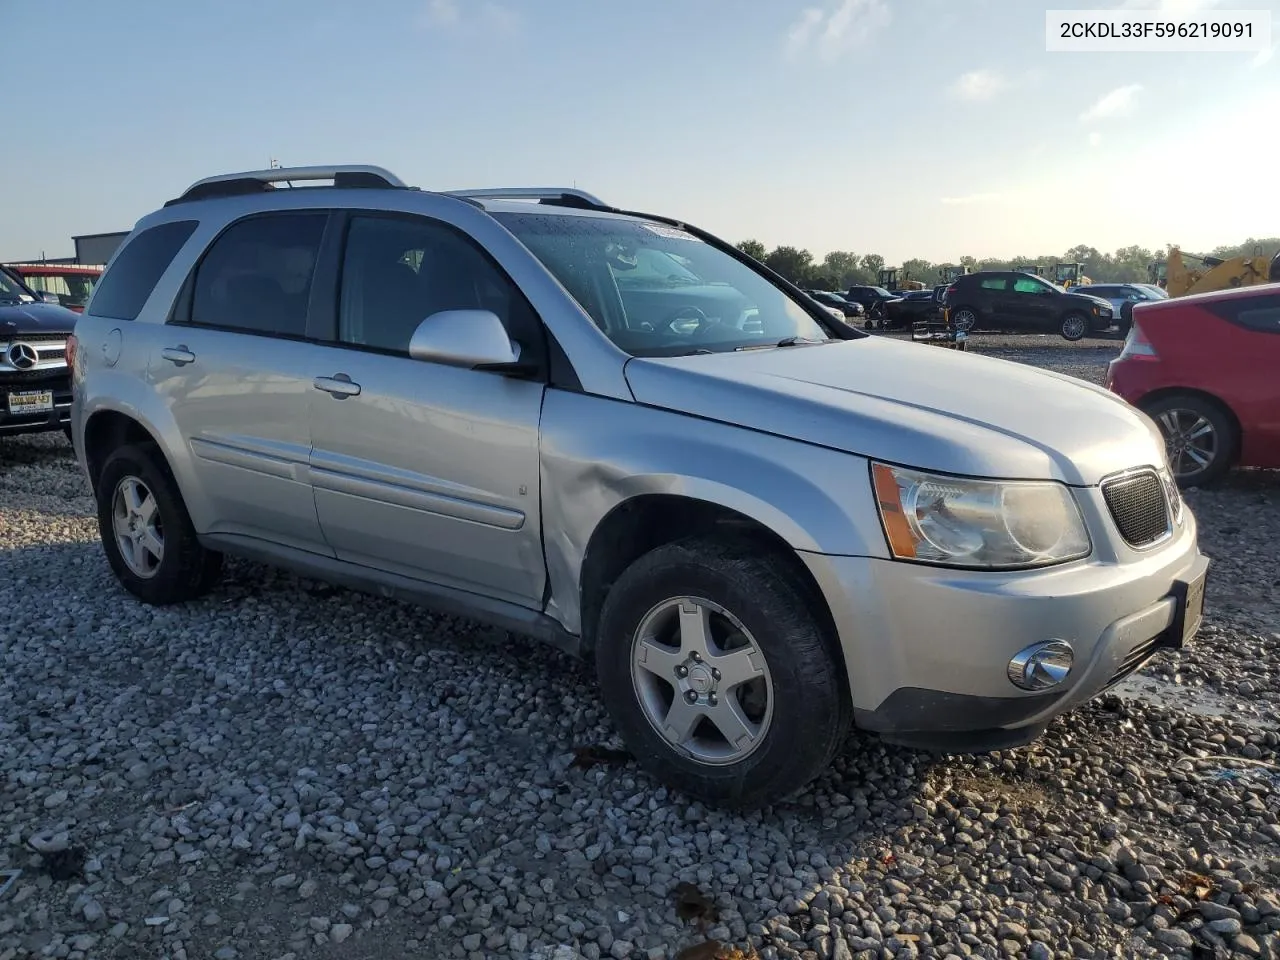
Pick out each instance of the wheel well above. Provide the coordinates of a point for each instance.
(1209, 398)
(107, 431)
(645, 523)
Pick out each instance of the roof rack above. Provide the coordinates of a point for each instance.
(344, 176)
(569, 195)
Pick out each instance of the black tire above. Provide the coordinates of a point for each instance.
(1126, 318)
(66, 432)
(810, 702)
(1179, 411)
(1074, 326)
(186, 569)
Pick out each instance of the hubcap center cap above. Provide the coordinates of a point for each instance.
(700, 679)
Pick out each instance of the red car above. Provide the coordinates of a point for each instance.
(1206, 369)
(72, 283)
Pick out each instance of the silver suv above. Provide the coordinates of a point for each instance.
(616, 433)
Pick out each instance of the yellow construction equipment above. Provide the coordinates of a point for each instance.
(1211, 273)
(889, 280)
(1068, 275)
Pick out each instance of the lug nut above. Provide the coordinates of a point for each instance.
(682, 671)
(715, 674)
(695, 656)
(711, 699)
(690, 696)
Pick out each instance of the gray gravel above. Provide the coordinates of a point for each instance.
(289, 769)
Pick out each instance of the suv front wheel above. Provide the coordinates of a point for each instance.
(719, 677)
(147, 533)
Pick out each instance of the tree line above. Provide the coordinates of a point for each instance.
(841, 269)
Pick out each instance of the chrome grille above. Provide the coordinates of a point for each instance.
(1139, 507)
(38, 353)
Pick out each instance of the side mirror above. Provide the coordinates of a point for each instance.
(466, 338)
(49, 297)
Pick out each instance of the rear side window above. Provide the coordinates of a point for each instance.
(124, 288)
(256, 277)
(1264, 319)
(993, 283)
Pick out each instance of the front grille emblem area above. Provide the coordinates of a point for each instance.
(22, 356)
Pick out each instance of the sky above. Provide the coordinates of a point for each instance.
(908, 128)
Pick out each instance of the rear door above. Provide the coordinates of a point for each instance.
(991, 294)
(235, 368)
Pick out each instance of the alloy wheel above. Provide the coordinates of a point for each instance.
(135, 520)
(701, 680)
(1190, 440)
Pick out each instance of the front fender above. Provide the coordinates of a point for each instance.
(596, 454)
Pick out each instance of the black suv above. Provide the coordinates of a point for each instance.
(1018, 301)
(35, 384)
(880, 304)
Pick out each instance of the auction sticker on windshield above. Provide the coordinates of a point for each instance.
(671, 233)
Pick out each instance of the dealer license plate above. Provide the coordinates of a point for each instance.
(31, 401)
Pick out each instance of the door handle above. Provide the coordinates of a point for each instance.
(339, 386)
(178, 355)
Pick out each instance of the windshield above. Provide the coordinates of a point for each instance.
(1152, 291)
(72, 289)
(881, 292)
(11, 291)
(659, 291)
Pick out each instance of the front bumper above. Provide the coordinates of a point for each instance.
(58, 385)
(927, 649)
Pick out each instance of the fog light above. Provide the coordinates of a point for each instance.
(1041, 665)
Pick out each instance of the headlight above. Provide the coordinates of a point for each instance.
(955, 521)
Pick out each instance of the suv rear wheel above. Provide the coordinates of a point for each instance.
(1074, 326)
(146, 532)
(719, 678)
(964, 319)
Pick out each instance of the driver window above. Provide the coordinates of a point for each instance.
(397, 272)
(1028, 285)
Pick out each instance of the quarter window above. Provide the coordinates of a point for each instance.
(1264, 319)
(126, 286)
(397, 272)
(256, 277)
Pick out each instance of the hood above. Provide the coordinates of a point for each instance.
(911, 404)
(18, 319)
(1088, 299)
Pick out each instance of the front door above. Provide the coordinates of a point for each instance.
(235, 369)
(1032, 303)
(421, 469)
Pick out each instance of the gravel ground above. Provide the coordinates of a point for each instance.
(286, 769)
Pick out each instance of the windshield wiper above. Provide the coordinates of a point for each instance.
(784, 342)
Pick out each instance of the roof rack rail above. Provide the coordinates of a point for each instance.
(258, 181)
(552, 194)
